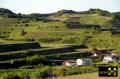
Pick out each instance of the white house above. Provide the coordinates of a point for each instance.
(84, 61)
(79, 62)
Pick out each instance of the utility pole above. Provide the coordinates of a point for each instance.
(53, 70)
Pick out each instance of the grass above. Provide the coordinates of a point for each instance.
(93, 75)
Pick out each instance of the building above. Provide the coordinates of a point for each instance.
(78, 62)
(84, 61)
(110, 57)
(69, 62)
(98, 53)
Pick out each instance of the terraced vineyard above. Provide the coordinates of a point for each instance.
(31, 45)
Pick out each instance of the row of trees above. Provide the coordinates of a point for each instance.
(98, 11)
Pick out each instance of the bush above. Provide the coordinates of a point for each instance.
(60, 72)
(42, 73)
(79, 70)
(10, 76)
(38, 75)
(31, 66)
(36, 59)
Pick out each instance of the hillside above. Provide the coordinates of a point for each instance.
(6, 13)
(32, 45)
(65, 26)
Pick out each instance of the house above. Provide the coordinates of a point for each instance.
(110, 58)
(87, 61)
(98, 53)
(84, 61)
(69, 62)
(106, 52)
(78, 62)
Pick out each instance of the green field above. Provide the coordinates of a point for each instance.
(93, 75)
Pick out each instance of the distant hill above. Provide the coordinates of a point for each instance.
(6, 13)
(97, 17)
(95, 27)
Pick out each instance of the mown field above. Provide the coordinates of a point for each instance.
(93, 75)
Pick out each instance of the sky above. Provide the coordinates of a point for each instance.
(49, 6)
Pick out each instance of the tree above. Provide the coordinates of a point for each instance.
(36, 59)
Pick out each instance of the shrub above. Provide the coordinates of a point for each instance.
(37, 75)
(10, 76)
(36, 59)
(79, 70)
(60, 72)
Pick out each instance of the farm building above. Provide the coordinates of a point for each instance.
(98, 53)
(69, 62)
(106, 55)
(110, 58)
(84, 61)
(78, 62)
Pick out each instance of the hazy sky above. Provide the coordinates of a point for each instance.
(49, 6)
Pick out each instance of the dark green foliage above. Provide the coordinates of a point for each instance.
(31, 66)
(98, 11)
(41, 74)
(10, 76)
(37, 75)
(23, 33)
(37, 15)
(36, 59)
(29, 39)
(64, 71)
(61, 71)
(64, 12)
(25, 21)
(6, 13)
(117, 15)
(79, 70)
(19, 46)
